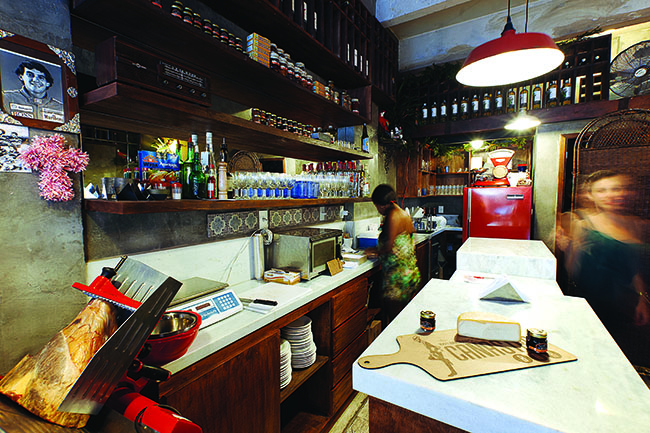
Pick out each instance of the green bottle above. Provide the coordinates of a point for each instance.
(197, 179)
(186, 168)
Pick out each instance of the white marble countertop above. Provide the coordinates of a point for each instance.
(600, 392)
(217, 336)
(526, 258)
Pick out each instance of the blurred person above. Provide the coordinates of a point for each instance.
(604, 249)
(396, 252)
(32, 100)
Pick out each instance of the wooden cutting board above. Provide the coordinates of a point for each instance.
(446, 356)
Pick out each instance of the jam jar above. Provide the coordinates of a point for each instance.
(427, 320)
(536, 340)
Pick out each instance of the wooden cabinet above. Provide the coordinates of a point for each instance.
(237, 389)
(424, 174)
(422, 255)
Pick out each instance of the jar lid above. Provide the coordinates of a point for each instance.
(426, 314)
(536, 333)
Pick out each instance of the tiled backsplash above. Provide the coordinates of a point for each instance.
(229, 224)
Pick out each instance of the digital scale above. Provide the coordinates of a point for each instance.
(210, 299)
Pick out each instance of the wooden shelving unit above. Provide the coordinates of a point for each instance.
(298, 377)
(155, 206)
(233, 75)
(122, 106)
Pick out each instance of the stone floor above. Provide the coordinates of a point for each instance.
(355, 417)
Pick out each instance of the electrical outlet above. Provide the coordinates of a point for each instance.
(441, 209)
(263, 217)
(323, 213)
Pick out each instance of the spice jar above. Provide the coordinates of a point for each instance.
(177, 9)
(216, 31)
(355, 105)
(536, 340)
(207, 26)
(188, 15)
(198, 23)
(427, 320)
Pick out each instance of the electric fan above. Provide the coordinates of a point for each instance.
(630, 71)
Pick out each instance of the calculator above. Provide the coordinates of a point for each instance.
(214, 307)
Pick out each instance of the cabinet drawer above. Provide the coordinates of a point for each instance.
(348, 331)
(341, 392)
(342, 364)
(351, 297)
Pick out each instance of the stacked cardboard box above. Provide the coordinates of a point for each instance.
(258, 48)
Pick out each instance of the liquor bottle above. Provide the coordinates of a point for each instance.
(566, 92)
(498, 103)
(511, 105)
(211, 182)
(443, 110)
(454, 110)
(186, 168)
(537, 97)
(476, 106)
(551, 94)
(197, 181)
(434, 112)
(425, 114)
(222, 172)
(487, 108)
(365, 140)
(464, 108)
(523, 98)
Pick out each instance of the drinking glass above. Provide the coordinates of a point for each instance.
(291, 182)
(272, 182)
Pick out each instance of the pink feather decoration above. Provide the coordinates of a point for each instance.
(50, 155)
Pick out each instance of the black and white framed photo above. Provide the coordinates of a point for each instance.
(37, 85)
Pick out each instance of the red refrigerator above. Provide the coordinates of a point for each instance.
(497, 212)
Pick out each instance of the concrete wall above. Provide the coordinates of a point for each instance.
(42, 247)
(546, 166)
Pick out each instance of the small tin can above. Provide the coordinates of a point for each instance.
(536, 340)
(427, 320)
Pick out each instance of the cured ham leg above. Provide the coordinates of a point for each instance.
(40, 382)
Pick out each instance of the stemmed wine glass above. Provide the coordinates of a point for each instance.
(291, 182)
(272, 182)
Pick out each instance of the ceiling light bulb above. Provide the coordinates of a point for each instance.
(476, 144)
(522, 122)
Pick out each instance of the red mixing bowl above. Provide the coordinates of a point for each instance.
(172, 336)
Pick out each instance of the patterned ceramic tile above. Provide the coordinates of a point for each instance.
(231, 224)
(275, 218)
(311, 215)
(296, 216)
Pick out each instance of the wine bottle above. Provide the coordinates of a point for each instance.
(511, 106)
(551, 94)
(222, 172)
(498, 103)
(365, 140)
(523, 98)
(566, 93)
(186, 169)
(537, 97)
(487, 108)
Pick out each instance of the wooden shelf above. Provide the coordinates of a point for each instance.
(298, 377)
(142, 207)
(121, 106)
(464, 173)
(262, 17)
(233, 75)
(564, 113)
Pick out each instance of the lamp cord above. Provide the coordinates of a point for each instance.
(526, 25)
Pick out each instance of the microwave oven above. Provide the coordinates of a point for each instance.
(304, 249)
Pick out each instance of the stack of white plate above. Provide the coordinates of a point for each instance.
(285, 363)
(303, 349)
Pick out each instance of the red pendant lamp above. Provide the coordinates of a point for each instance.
(512, 58)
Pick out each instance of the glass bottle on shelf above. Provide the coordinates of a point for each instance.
(523, 98)
(566, 92)
(551, 94)
(487, 106)
(211, 181)
(537, 96)
(498, 103)
(454, 109)
(197, 181)
(511, 105)
(365, 140)
(222, 172)
(433, 118)
(425, 114)
(464, 108)
(186, 168)
(476, 106)
(443, 110)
